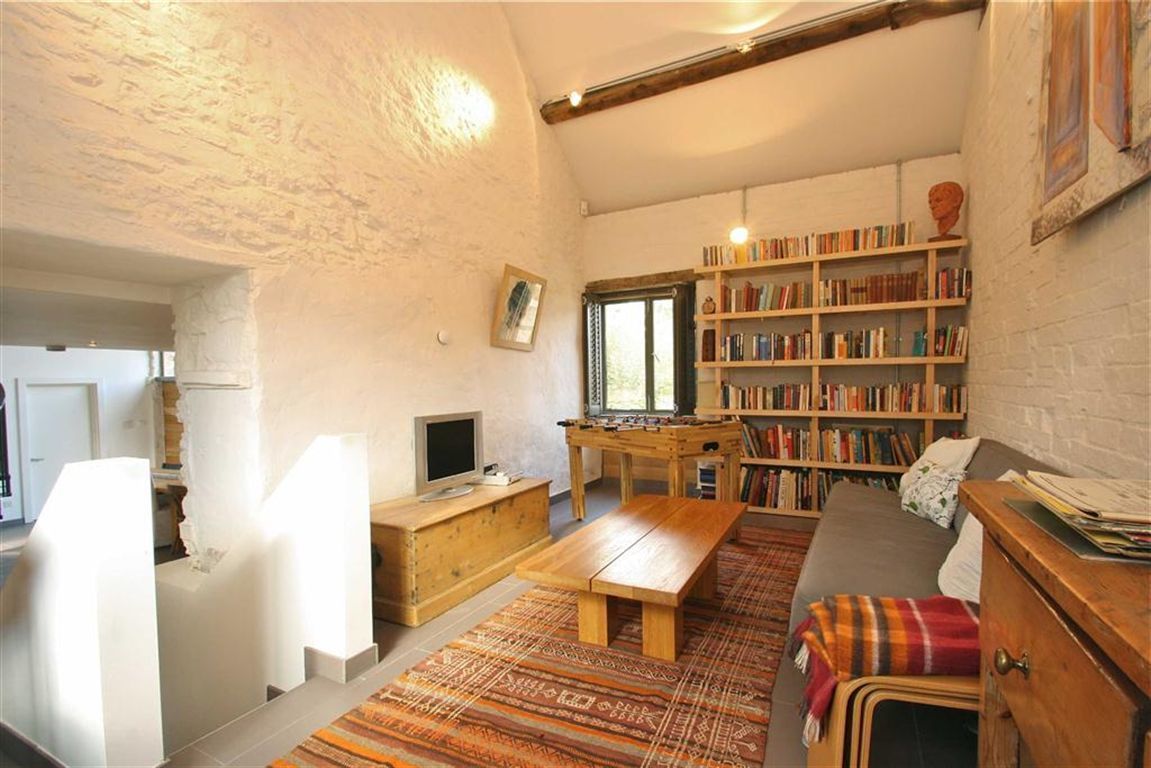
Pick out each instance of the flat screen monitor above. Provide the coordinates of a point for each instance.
(449, 453)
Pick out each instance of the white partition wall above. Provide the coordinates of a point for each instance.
(79, 663)
(298, 576)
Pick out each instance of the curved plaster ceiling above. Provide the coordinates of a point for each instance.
(871, 100)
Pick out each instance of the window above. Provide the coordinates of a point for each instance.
(639, 348)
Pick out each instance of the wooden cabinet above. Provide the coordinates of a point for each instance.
(428, 557)
(924, 307)
(1065, 646)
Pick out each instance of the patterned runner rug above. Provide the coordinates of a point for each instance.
(520, 690)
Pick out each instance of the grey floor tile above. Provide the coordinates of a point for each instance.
(190, 757)
(229, 742)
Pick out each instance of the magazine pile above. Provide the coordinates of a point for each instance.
(1114, 515)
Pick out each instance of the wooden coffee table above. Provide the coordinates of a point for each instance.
(654, 549)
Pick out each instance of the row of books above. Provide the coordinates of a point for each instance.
(905, 397)
(950, 341)
(867, 445)
(854, 345)
(953, 283)
(872, 289)
(775, 488)
(827, 479)
(768, 296)
(766, 346)
(776, 442)
(781, 397)
(815, 244)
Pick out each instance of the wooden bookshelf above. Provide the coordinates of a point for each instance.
(920, 312)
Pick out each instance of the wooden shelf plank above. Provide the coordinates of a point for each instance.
(870, 253)
(842, 309)
(852, 361)
(892, 415)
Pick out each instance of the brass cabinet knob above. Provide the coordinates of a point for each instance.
(1004, 663)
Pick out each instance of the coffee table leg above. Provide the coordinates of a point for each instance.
(575, 464)
(705, 585)
(662, 631)
(597, 618)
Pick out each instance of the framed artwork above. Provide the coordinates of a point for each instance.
(517, 315)
(1095, 111)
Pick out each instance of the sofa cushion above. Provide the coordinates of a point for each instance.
(933, 493)
(990, 461)
(866, 545)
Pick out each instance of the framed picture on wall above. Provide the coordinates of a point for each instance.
(1095, 112)
(518, 304)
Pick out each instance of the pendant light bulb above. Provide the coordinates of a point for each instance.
(739, 234)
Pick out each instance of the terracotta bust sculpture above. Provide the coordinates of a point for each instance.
(945, 198)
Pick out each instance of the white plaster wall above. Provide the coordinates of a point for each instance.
(291, 579)
(126, 421)
(671, 236)
(1060, 348)
(317, 145)
(79, 659)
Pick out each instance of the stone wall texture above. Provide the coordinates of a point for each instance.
(373, 165)
(1059, 332)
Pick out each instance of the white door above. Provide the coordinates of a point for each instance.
(60, 423)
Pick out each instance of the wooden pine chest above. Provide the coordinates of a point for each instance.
(428, 557)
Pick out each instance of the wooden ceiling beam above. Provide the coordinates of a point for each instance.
(867, 19)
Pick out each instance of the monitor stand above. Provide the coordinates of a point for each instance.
(448, 493)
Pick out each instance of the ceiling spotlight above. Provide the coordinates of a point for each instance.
(575, 97)
(92, 343)
(743, 46)
(738, 235)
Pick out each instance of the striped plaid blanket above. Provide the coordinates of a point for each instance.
(850, 636)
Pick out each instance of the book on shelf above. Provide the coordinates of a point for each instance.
(738, 347)
(868, 343)
(828, 478)
(781, 397)
(1113, 515)
(905, 397)
(866, 445)
(775, 488)
(919, 344)
(815, 244)
(953, 283)
(872, 289)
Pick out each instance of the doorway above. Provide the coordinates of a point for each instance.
(59, 424)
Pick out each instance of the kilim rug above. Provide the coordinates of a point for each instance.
(520, 690)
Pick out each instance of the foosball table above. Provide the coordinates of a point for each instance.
(668, 438)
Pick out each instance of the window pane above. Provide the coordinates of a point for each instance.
(663, 349)
(623, 331)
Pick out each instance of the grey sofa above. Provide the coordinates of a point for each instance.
(865, 544)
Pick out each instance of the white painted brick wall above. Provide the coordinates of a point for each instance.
(1059, 333)
(310, 142)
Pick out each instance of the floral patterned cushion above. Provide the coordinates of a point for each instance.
(933, 493)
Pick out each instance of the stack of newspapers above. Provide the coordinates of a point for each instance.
(1114, 515)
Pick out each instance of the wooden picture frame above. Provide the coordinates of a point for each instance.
(518, 303)
(1088, 72)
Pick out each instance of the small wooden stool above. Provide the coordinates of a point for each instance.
(847, 735)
